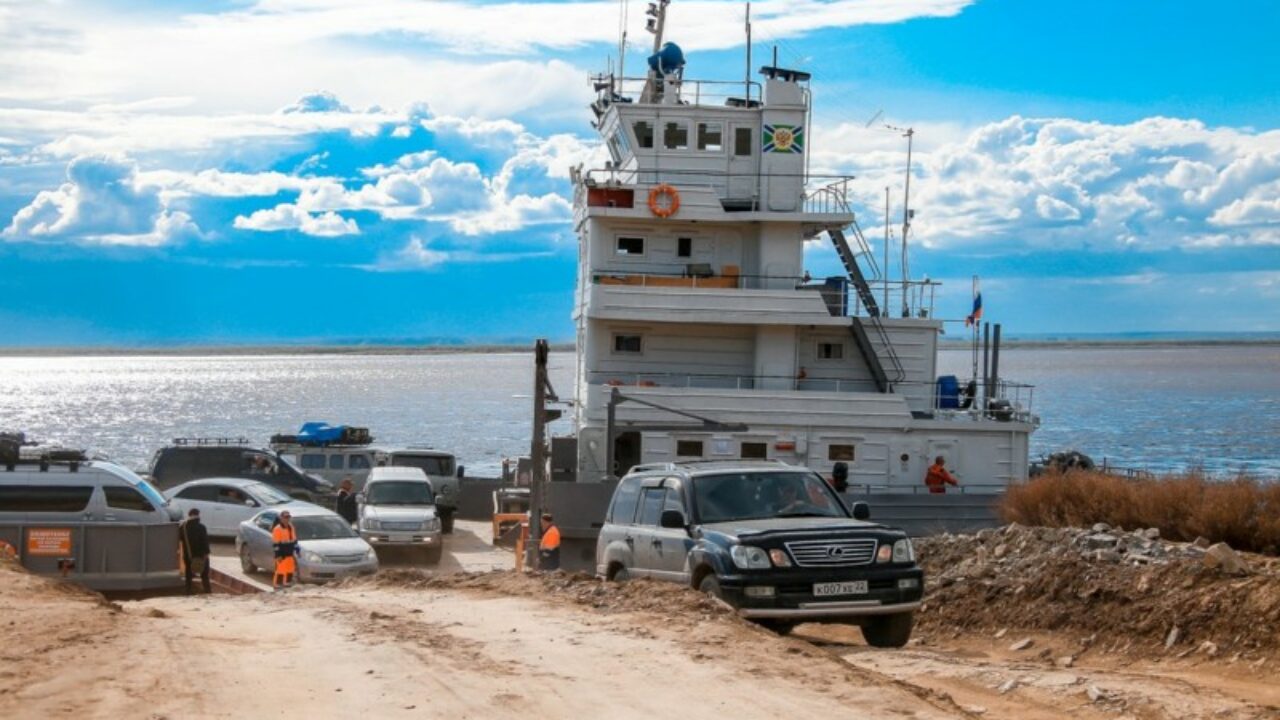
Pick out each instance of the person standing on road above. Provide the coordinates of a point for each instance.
(840, 477)
(193, 538)
(284, 538)
(549, 546)
(346, 506)
(937, 479)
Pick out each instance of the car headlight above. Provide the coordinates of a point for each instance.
(903, 552)
(432, 525)
(749, 556)
(312, 557)
(372, 525)
(370, 554)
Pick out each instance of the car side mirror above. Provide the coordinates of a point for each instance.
(462, 470)
(672, 519)
(861, 511)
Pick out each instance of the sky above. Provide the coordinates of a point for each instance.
(311, 171)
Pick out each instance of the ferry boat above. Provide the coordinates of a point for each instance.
(701, 335)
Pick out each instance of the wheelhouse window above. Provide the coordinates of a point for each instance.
(627, 344)
(630, 246)
(710, 137)
(644, 133)
(684, 247)
(755, 451)
(830, 351)
(689, 448)
(840, 452)
(742, 145)
(624, 145)
(675, 136)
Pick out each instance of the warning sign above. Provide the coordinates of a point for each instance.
(49, 541)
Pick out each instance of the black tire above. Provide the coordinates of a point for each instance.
(246, 561)
(432, 555)
(711, 586)
(782, 627)
(446, 523)
(888, 631)
(620, 575)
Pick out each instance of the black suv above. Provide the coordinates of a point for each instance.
(772, 540)
(200, 458)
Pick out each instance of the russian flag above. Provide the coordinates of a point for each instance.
(976, 315)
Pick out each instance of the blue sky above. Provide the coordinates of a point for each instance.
(313, 170)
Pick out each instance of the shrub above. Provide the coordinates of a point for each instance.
(1243, 512)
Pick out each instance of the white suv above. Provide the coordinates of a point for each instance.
(397, 510)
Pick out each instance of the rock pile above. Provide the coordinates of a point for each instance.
(1130, 587)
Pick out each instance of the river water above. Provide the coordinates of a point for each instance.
(1158, 408)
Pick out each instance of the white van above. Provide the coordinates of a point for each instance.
(398, 510)
(92, 521)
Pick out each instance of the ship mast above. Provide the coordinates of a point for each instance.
(656, 24)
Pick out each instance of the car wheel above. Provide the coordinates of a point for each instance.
(711, 586)
(621, 575)
(446, 524)
(432, 555)
(888, 631)
(246, 561)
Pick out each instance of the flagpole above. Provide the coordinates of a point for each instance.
(975, 332)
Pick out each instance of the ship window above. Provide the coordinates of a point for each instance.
(627, 344)
(614, 152)
(830, 351)
(755, 451)
(644, 133)
(675, 136)
(840, 452)
(630, 246)
(689, 448)
(624, 145)
(742, 141)
(710, 137)
(684, 247)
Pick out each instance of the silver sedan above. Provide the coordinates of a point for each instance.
(329, 548)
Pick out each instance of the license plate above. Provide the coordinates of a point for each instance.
(853, 587)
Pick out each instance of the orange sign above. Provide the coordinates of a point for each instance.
(49, 541)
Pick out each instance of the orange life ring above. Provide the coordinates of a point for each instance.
(673, 200)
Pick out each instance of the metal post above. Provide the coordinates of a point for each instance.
(995, 360)
(885, 305)
(537, 450)
(610, 433)
(906, 224)
(986, 364)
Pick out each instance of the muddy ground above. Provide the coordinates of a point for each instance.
(415, 644)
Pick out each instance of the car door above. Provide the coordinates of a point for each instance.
(669, 547)
(233, 506)
(258, 538)
(200, 497)
(644, 534)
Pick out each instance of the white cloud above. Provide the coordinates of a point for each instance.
(415, 255)
(290, 217)
(101, 203)
(1055, 182)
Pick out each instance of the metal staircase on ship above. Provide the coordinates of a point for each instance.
(868, 332)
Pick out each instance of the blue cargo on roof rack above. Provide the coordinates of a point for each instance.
(322, 433)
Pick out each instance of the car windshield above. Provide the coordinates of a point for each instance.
(398, 493)
(761, 495)
(268, 495)
(322, 528)
(429, 464)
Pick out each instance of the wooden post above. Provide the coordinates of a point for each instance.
(537, 451)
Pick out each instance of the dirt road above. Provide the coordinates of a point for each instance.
(479, 646)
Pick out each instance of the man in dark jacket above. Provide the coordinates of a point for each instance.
(840, 477)
(193, 538)
(346, 506)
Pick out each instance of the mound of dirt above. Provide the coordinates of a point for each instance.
(577, 588)
(1119, 589)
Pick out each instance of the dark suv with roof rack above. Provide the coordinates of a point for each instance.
(199, 458)
(772, 540)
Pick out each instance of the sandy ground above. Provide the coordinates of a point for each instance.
(382, 650)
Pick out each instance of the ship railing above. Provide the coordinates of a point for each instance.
(894, 298)
(832, 197)
(1007, 400)
(700, 275)
(819, 195)
(962, 488)
(690, 91)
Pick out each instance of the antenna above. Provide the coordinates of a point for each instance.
(746, 78)
(885, 306)
(622, 44)
(874, 118)
(907, 214)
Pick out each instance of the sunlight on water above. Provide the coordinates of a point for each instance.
(1157, 408)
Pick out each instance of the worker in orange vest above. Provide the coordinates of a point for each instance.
(284, 538)
(549, 545)
(937, 479)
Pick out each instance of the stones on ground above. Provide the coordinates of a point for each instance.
(1208, 648)
(1022, 644)
(1095, 694)
(1220, 556)
(1151, 533)
(1172, 638)
(1100, 540)
(1001, 633)
(1101, 527)
(1065, 661)
(1202, 542)
(975, 709)
(1007, 687)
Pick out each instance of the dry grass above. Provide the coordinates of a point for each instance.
(1243, 512)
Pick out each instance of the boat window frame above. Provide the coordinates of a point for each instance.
(613, 343)
(690, 441)
(853, 451)
(838, 357)
(699, 136)
(618, 251)
(750, 141)
(680, 125)
(742, 449)
(640, 139)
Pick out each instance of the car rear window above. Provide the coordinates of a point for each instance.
(126, 498)
(199, 492)
(44, 498)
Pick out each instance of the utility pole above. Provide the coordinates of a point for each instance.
(538, 450)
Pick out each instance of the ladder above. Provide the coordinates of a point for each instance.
(884, 377)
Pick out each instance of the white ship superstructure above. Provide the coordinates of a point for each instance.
(693, 302)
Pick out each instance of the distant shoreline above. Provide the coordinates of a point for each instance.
(481, 349)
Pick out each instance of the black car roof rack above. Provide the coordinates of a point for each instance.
(228, 441)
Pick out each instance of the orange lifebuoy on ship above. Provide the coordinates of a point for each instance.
(673, 200)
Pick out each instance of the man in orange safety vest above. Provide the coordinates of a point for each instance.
(937, 479)
(284, 539)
